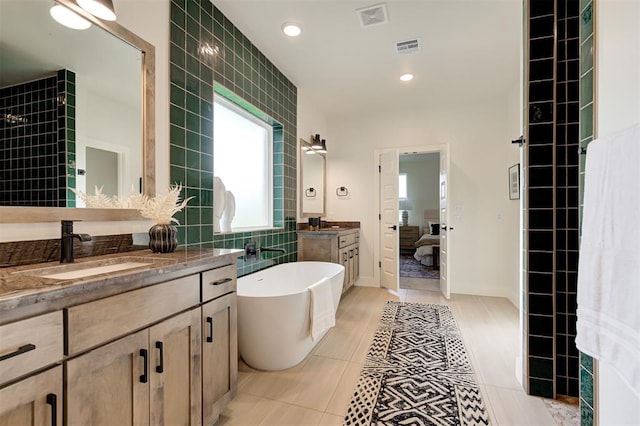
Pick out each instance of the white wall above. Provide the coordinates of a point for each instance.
(486, 232)
(618, 106)
(423, 177)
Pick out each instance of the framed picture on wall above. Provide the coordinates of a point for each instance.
(514, 182)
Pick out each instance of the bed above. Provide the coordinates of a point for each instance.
(430, 237)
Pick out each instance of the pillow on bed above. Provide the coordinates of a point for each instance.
(434, 228)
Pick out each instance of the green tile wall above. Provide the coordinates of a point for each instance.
(208, 55)
(67, 124)
(587, 118)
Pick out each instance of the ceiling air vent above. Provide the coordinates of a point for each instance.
(373, 15)
(407, 46)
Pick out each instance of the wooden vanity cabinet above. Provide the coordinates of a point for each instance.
(341, 247)
(27, 347)
(36, 400)
(179, 370)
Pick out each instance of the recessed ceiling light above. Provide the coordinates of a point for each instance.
(406, 77)
(68, 18)
(290, 29)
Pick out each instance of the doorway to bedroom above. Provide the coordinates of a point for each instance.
(419, 219)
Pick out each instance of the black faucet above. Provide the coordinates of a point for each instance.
(66, 241)
(281, 250)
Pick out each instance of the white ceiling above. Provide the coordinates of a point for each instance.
(470, 50)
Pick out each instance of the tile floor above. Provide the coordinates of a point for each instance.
(318, 390)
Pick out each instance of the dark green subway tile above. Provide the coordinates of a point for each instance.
(193, 178)
(193, 234)
(586, 21)
(586, 386)
(177, 55)
(206, 162)
(177, 75)
(177, 155)
(586, 55)
(192, 84)
(586, 89)
(178, 15)
(177, 174)
(176, 36)
(177, 96)
(176, 116)
(192, 65)
(586, 414)
(193, 159)
(587, 362)
(540, 387)
(586, 122)
(193, 140)
(176, 135)
(192, 122)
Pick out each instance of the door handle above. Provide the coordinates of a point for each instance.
(160, 366)
(210, 323)
(52, 400)
(144, 378)
(394, 227)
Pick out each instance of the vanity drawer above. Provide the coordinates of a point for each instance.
(94, 323)
(346, 240)
(218, 282)
(30, 344)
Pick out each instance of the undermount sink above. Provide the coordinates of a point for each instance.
(86, 269)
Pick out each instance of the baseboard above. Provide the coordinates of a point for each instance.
(366, 282)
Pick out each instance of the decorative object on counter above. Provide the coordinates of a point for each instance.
(314, 223)
(224, 206)
(342, 191)
(405, 205)
(162, 235)
(228, 212)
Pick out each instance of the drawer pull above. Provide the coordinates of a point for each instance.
(21, 350)
(210, 336)
(350, 254)
(52, 400)
(144, 378)
(160, 367)
(222, 281)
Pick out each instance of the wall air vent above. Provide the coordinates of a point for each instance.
(373, 15)
(407, 46)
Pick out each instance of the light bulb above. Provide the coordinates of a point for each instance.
(102, 9)
(68, 18)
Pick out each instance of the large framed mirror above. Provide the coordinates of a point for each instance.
(77, 111)
(312, 181)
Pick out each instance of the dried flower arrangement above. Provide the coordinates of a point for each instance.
(159, 208)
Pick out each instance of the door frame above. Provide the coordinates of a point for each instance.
(420, 149)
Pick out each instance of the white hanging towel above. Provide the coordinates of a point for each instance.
(608, 326)
(321, 310)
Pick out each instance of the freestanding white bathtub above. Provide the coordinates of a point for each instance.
(273, 312)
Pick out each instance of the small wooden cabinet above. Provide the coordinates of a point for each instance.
(408, 236)
(341, 247)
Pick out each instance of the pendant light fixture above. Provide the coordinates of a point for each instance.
(102, 9)
(67, 17)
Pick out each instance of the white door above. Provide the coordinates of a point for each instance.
(445, 229)
(389, 220)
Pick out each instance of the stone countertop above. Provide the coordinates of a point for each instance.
(329, 231)
(23, 295)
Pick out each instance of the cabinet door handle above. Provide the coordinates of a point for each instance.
(222, 281)
(144, 378)
(160, 367)
(344, 256)
(394, 227)
(52, 400)
(357, 251)
(350, 254)
(210, 336)
(21, 350)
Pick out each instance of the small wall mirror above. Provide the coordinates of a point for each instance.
(102, 104)
(312, 182)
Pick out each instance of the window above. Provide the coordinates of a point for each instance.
(242, 156)
(402, 186)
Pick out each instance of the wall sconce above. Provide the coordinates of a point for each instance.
(64, 15)
(317, 145)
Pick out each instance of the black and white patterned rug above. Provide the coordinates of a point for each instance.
(417, 372)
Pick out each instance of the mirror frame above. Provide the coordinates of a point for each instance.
(10, 214)
(302, 186)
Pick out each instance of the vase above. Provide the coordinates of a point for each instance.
(162, 238)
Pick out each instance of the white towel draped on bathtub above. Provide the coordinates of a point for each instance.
(608, 326)
(321, 310)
